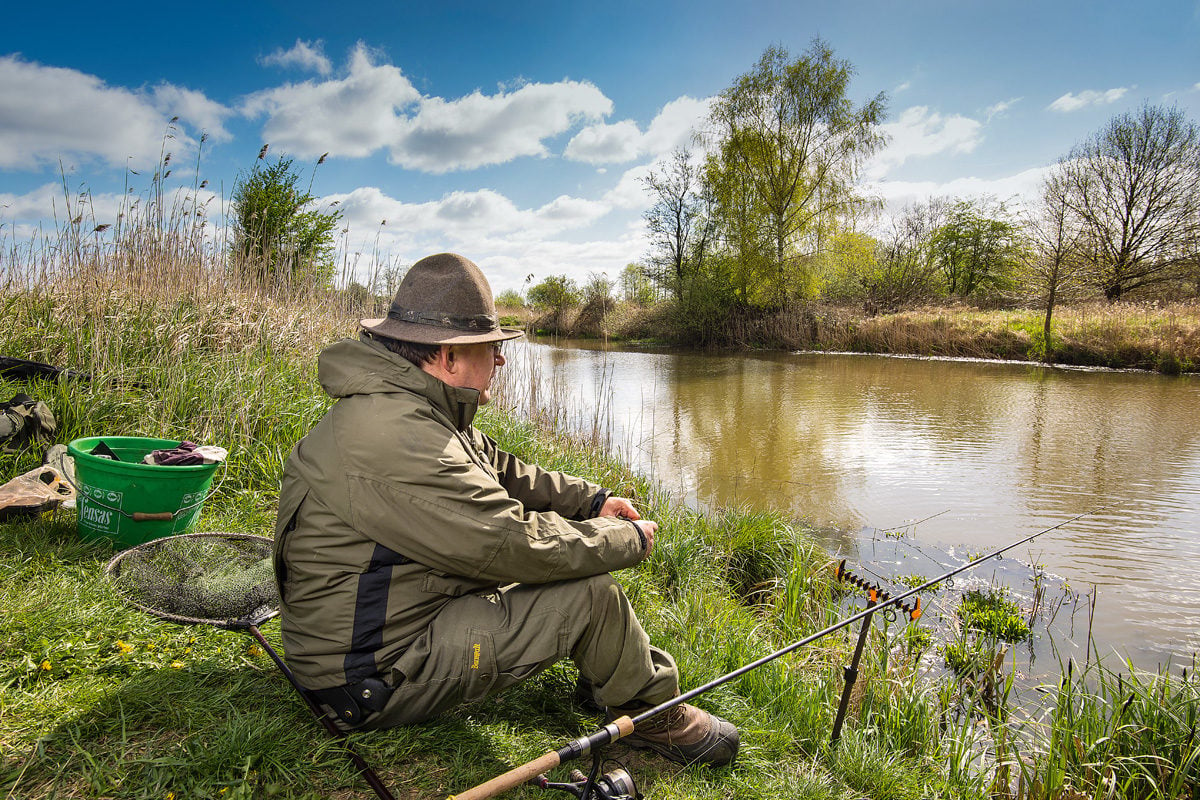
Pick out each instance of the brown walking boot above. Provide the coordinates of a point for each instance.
(684, 734)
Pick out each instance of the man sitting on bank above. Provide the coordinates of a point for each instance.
(421, 567)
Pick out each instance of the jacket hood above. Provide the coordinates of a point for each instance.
(363, 367)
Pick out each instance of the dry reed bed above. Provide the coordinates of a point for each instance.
(1164, 337)
(169, 305)
(1140, 336)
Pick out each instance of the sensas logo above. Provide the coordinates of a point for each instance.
(97, 517)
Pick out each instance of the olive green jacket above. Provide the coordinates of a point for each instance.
(393, 505)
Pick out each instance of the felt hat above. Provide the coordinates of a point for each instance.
(442, 299)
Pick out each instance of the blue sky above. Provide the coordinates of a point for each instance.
(516, 133)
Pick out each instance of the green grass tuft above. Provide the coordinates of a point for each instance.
(993, 613)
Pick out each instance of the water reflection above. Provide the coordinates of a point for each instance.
(992, 452)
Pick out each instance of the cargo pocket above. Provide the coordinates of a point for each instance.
(479, 664)
(544, 640)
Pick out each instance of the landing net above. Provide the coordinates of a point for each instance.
(223, 579)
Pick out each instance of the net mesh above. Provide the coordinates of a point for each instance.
(218, 578)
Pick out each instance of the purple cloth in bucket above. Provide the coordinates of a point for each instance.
(187, 454)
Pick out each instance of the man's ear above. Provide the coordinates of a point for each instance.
(447, 357)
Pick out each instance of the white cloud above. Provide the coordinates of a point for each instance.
(1073, 102)
(508, 242)
(904, 87)
(42, 203)
(920, 132)
(478, 130)
(606, 143)
(50, 208)
(630, 192)
(376, 107)
(675, 124)
(1021, 189)
(1196, 87)
(464, 216)
(1001, 108)
(507, 267)
(51, 113)
(352, 116)
(302, 55)
(200, 112)
(623, 141)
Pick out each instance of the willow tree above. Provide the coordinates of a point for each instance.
(789, 144)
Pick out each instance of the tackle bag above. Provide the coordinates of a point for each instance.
(23, 420)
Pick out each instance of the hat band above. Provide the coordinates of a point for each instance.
(476, 322)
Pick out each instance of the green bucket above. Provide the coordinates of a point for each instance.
(128, 502)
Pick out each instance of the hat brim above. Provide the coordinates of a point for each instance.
(434, 334)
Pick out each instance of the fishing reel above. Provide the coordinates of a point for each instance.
(614, 785)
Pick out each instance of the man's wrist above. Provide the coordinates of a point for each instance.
(598, 501)
(641, 534)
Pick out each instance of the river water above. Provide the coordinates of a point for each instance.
(954, 458)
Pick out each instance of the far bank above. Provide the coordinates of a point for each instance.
(1162, 337)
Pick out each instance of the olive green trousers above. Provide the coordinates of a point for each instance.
(480, 645)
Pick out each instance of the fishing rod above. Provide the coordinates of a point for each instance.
(625, 725)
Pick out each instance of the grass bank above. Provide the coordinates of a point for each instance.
(1148, 336)
(98, 700)
(101, 701)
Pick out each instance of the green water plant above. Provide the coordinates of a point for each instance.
(994, 613)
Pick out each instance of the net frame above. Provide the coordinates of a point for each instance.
(250, 615)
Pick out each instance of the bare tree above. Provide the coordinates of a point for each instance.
(907, 270)
(1055, 262)
(677, 223)
(1133, 185)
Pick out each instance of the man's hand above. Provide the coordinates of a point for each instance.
(621, 507)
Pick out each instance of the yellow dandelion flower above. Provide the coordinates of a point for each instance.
(223, 790)
(123, 647)
(255, 651)
(46, 665)
(170, 796)
(187, 650)
(176, 665)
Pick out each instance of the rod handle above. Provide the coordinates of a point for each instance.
(511, 779)
(163, 516)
